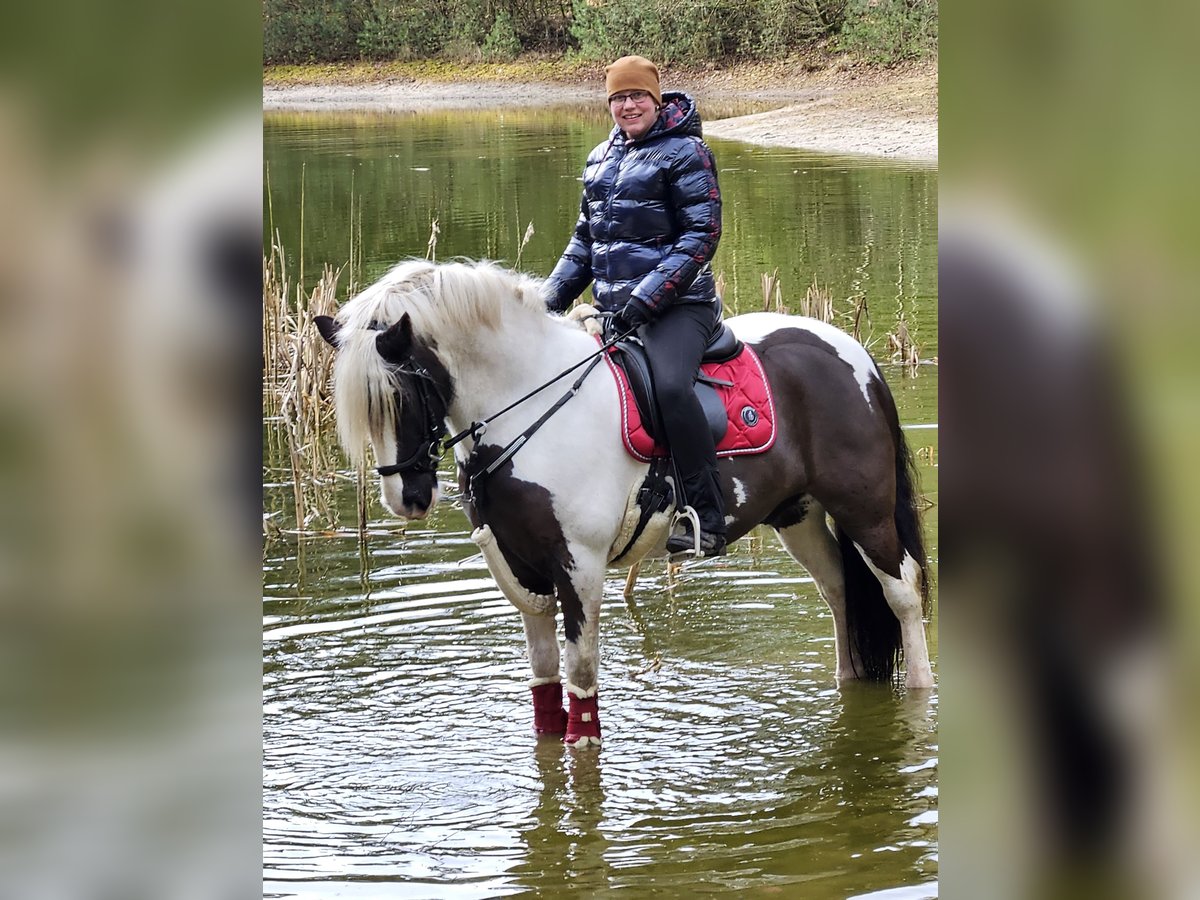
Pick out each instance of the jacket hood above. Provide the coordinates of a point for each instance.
(678, 116)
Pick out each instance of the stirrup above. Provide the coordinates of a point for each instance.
(687, 514)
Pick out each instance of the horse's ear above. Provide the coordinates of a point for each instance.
(329, 328)
(395, 344)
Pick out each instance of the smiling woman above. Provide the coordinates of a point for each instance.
(649, 224)
(634, 112)
(634, 97)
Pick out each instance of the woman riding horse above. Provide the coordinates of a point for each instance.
(468, 349)
(648, 226)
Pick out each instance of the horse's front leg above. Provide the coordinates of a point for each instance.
(541, 641)
(580, 589)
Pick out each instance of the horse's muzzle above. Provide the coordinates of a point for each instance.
(409, 497)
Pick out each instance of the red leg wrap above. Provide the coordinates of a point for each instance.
(584, 719)
(549, 717)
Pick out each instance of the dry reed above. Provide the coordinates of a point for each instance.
(431, 247)
(817, 303)
(297, 373)
(855, 319)
(525, 240)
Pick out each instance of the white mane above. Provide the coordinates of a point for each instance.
(440, 300)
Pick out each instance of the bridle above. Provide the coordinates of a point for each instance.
(424, 460)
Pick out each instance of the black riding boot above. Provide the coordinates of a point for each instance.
(702, 491)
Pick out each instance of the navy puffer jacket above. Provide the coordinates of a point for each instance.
(649, 221)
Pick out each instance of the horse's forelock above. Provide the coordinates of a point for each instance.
(363, 392)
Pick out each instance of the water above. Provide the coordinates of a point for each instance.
(398, 757)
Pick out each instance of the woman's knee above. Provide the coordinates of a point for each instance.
(673, 385)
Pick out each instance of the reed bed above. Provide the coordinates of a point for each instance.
(901, 344)
(297, 400)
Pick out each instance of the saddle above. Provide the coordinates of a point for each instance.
(630, 356)
(731, 387)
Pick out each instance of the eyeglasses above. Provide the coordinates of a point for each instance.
(635, 96)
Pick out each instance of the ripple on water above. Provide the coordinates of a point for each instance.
(398, 759)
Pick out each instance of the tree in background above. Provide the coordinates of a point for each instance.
(679, 31)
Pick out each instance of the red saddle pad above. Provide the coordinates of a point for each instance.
(748, 404)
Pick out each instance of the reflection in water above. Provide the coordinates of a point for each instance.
(564, 844)
(399, 758)
(864, 232)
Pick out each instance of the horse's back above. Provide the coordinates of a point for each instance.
(822, 364)
(836, 416)
(769, 332)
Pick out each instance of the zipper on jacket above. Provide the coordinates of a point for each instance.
(608, 218)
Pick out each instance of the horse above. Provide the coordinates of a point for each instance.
(434, 348)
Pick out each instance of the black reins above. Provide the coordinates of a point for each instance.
(519, 441)
(425, 458)
(476, 430)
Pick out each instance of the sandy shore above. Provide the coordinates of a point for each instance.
(894, 121)
(890, 115)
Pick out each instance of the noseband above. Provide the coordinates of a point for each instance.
(424, 460)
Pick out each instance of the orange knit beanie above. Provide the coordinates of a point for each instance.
(632, 73)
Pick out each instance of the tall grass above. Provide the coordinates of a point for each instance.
(297, 377)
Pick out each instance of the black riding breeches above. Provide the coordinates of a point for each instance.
(674, 344)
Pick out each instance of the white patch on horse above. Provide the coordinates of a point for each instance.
(739, 491)
(754, 327)
(903, 596)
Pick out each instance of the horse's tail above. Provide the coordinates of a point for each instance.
(874, 629)
(908, 495)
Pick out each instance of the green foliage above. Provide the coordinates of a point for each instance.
(382, 35)
(694, 32)
(666, 30)
(308, 31)
(502, 41)
(890, 31)
(788, 24)
(701, 31)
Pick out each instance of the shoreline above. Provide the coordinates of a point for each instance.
(883, 114)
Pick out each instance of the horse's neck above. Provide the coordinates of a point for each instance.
(494, 372)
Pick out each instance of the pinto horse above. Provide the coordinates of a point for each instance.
(432, 348)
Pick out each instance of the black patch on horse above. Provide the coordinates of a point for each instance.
(790, 512)
(521, 516)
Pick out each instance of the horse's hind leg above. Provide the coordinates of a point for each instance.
(811, 544)
(903, 594)
(541, 642)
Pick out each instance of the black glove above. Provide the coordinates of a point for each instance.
(633, 315)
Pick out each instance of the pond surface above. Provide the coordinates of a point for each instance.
(398, 755)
